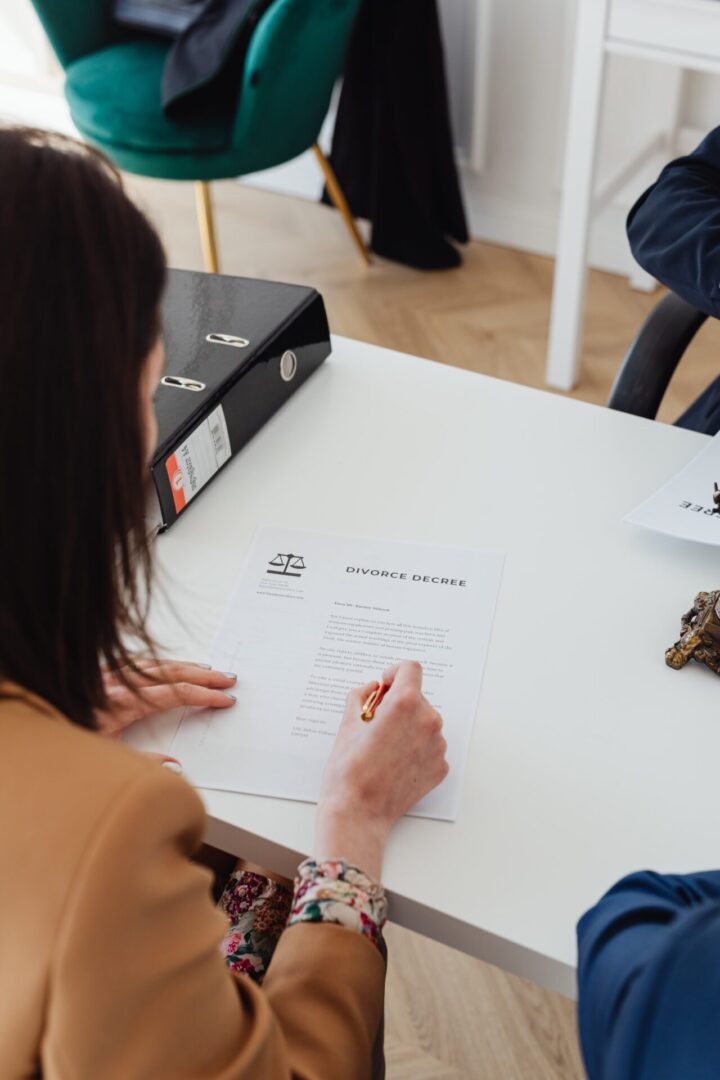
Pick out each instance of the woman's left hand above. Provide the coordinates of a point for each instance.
(159, 685)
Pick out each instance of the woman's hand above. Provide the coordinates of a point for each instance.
(377, 771)
(158, 686)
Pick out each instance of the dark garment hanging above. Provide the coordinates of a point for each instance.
(392, 146)
(204, 67)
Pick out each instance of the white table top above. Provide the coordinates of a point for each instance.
(590, 757)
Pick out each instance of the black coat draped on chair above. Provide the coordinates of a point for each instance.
(392, 145)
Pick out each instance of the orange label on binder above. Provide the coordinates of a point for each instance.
(198, 458)
(177, 483)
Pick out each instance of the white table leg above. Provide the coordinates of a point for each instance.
(576, 208)
(638, 278)
(678, 99)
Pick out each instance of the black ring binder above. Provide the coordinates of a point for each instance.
(265, 323)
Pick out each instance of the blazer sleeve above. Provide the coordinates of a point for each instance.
(674, 228)
(649, 979)
(138, 987)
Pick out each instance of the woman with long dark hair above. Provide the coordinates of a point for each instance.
(110, 965)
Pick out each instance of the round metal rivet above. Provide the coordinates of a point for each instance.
(288, 365)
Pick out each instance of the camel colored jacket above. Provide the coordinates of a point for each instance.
(109, 960)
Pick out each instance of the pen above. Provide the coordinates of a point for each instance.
(368, 709)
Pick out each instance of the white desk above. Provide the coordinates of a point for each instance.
(590, 758)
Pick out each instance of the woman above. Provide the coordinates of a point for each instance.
(109, 959)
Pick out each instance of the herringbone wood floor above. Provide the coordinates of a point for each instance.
(448, 1016)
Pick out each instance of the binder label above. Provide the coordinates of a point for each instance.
(198, 458)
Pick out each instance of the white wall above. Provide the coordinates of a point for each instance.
(508, 68)
(514, 198)
(459, 22)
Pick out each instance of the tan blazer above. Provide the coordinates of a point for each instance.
(109, 961)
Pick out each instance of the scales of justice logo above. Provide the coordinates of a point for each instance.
(287, 565)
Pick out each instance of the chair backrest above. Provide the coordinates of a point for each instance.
(654, 355)
(294, 58)
(76, 28)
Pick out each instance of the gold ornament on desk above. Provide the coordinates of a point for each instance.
(699, 634)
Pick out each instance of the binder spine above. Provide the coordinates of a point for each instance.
(181, 469)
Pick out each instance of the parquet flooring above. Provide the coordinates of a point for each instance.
(448, 1016)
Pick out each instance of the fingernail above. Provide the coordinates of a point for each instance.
(207, 667)
(172, 766)
(229, 674)
(231, 696)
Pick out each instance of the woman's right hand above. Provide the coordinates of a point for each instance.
(377, 771)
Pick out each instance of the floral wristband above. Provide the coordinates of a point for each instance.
(332, 891)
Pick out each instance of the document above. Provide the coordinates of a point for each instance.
(313, 616)
(684, 507)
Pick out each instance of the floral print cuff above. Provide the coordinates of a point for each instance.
(258, 909)
(332, 891)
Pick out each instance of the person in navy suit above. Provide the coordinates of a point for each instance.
(674, 233)
(649, 979)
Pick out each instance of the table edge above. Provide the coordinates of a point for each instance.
(482, 944)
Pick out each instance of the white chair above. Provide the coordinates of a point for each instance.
(683, 33)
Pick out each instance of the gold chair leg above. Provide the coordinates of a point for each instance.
(340, 202)
(203, 203)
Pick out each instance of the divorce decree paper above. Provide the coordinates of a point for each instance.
(313, 616)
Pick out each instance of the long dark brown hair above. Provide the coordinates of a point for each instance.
(81, 277)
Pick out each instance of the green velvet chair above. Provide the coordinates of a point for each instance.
(113, 87)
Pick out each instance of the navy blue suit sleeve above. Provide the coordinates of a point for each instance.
(674, 228)
(649, 979)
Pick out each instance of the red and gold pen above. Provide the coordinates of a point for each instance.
(372, 703)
